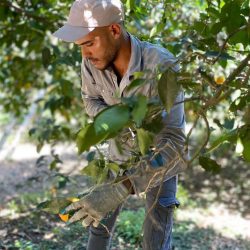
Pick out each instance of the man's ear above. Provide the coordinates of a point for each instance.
(116, 30)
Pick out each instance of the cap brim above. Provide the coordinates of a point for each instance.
(69, 33)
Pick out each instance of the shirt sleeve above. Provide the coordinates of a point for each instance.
(93, 101)
(170, 141)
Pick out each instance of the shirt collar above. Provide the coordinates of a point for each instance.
(134, 63)
(135, 58)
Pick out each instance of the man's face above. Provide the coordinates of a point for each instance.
(99, 47)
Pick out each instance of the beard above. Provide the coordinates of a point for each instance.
(107, 59)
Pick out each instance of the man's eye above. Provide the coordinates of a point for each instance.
(89, 44)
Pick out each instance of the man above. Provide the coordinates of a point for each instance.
(110, 58)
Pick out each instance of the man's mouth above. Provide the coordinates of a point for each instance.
(94, 61)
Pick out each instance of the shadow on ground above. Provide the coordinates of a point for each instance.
(31, 175)
(231, 186)
(188, 236)
(26, 228)
(37, 230)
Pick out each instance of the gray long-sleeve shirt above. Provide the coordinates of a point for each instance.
(100, 89)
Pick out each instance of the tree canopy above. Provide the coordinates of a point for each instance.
(209, 38)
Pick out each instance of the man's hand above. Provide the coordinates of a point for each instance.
(93, 207)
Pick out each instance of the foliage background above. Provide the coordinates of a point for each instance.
(37, 68)
(40, 79)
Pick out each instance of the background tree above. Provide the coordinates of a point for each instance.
(40, 82)
(213, 52)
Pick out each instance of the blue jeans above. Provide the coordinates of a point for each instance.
(157, 231)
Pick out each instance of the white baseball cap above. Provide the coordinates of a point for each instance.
(86, 15)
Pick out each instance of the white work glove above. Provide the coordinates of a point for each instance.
(94, 206)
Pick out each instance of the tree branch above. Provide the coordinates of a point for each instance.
(24, 12)
(206, 140)
(246, 80)
(226, 41)
(237, 70)
(157, 196)
(213, 101)
(190, 99)
(191, 130)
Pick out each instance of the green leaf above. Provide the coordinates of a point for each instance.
(90, 156)
(231, 11)
(113, 166)
(245, 139)
(238, 104)
(226, 137)
(103, 176)
(246, 117)
(139, 74)
(217, 122)
(199, 26)
(157, 29)
(135, 83)
(97, 170)
(111, 120)
(130, 4)
(229, 123)
(223, 63)
(67, 89)
(46, 57)
(168, 88)
(39, 147)
(246, 151)
(213, 12)
(94, 168)
(61, 181)
(140, 110)
(53, 165)
(4, 12)
(88, 137)
(145, 139)
(54, 206)
(32, 131)
(209, 164)
(242, 36)
(222, 56)
(153, 121)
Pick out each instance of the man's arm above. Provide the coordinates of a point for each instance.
(92, 99)
(170, 141)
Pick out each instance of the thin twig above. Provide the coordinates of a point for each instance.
(190, 99)
(158, 195)
(216, 99)
(226, 94)
(207, 78)
(191, 130)
(246, 80)
(213, 101)
(206, 140)
(237, 70)
(164, 147)
(226, 41)
(239, 51)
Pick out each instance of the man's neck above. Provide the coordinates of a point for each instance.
(123, 57)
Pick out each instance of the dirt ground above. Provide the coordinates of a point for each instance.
(214, 206)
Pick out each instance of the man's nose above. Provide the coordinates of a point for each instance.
(85, 52)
